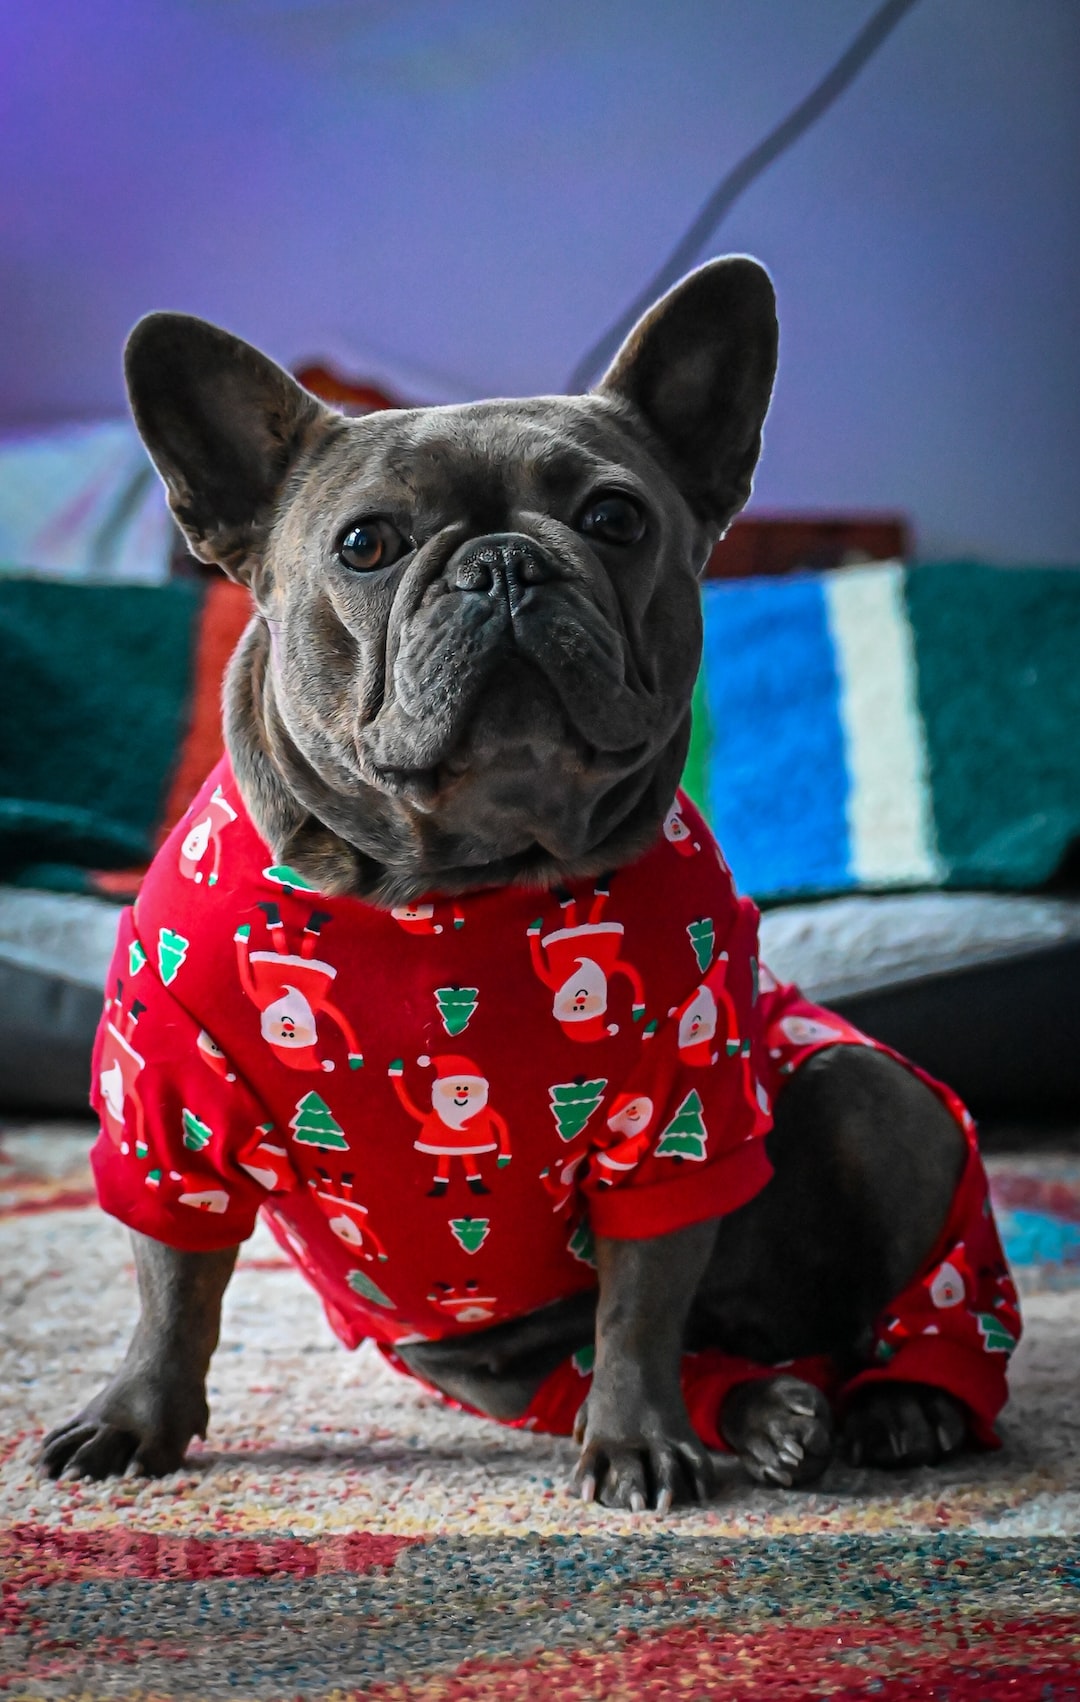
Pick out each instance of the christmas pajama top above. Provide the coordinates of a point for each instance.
(438, 1106)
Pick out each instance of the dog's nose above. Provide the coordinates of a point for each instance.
(504, 564)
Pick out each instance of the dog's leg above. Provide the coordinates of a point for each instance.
(866, 1162)
(499, 1370)
(638, 1448)
(156, 1402)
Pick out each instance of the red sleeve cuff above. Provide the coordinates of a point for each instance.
(140, 1206)
(638, 1213)
(976, 1379)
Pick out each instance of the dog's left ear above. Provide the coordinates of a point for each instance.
(224, 425)
(699, 368)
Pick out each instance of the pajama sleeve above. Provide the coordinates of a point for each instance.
(684, 1137)
(186, 1153)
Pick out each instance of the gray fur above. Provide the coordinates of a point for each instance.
(395, 734)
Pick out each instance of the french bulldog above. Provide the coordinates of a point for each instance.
(475, 639)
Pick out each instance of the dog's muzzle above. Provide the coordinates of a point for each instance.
(503, 566)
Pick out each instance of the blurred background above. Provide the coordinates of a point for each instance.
(454, 201)
(415, 201)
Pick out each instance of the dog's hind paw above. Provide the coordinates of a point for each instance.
(781, 1428)
(902, 1424)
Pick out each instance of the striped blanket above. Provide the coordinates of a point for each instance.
(886, 727)
(870, 729)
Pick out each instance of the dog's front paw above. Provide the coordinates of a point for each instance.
(781, 1428)
(134, 1421)
(902, 1424)
(656, 1464)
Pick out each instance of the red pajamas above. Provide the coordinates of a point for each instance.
(437, 1107)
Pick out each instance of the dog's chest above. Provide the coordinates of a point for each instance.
(437, 1081)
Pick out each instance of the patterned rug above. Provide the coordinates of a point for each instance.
(342, 1535)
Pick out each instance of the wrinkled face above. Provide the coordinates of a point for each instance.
(479, 625)
(491, 614)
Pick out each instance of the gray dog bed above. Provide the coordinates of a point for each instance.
(981, 990)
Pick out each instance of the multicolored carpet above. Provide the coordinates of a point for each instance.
(342, 1535)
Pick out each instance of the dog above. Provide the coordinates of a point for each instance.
(442, 969)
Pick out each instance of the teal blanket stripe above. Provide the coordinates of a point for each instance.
(97, 681)
(998, 655)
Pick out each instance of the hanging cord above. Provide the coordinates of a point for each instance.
(730, 187)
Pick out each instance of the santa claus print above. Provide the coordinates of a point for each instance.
(577, 963)
(210, 1053)
(697, 1019)
(795, 1032)
(420, 918)
(346, 1216)
(119, 1068)
(204, 835)
(265, 1159)
(467, 1305)
(629, 1123)
(678, 834)
(460, 1125)
(291, 990)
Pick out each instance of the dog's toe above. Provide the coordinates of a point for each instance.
(895, 1425)
(781, 1428)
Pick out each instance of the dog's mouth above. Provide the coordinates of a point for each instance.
(519, 741)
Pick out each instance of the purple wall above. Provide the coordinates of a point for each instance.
(460, 196)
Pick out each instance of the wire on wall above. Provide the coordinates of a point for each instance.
(738, 179)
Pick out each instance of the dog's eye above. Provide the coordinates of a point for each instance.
(371, 544)
(613, 519)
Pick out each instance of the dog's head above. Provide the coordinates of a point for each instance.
(478, 627)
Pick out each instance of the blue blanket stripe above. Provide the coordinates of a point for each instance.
(777, 782)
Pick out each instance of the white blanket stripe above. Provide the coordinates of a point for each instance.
(889, 808)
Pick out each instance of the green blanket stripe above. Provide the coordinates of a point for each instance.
(695, 780)
(998, 686)
(101, 679)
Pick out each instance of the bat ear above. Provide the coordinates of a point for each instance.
(699, 370)
(223, 425)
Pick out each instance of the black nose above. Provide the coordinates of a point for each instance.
(504, 564)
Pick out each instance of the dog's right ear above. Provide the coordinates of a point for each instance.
(223, 425)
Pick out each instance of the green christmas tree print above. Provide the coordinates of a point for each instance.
(197, 1134)
(136, 957)
(686, 1134)
(573, 1103)
(361, 1284)
(703, 939)
(172, 950)
(456, 1006)
(582, 1244)
(584, 1360)
(996, 1338)
(470, 1232)
(282, 875)
(313, 1124)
